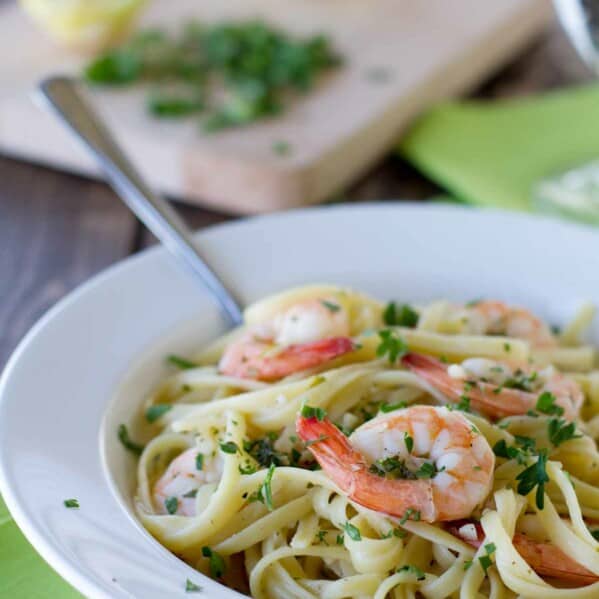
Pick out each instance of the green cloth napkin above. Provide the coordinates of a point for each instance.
(492, 153)
(23, 573)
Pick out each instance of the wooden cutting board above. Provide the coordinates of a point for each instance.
(428, 49)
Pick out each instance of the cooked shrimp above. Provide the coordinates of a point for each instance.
(497, 318)
(183, 477)
(456, 479)
(544, 558)
(304, 335)
(497, 389)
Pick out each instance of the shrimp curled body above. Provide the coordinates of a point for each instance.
(305, 335)
(182, 479)
(497, 389)
(460, 462)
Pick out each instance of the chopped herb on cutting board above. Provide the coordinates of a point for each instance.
(232, 73)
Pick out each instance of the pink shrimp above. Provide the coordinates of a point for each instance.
(304, 335)
(181, 480)
(266, 362)
(497, 389)
(459, 462)
(544, 558)
(491, 317)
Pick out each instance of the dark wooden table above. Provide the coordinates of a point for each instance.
(57, 229)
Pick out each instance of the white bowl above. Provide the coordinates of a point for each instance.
(85, 367)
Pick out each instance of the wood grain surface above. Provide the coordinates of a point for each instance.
(56, 230)
(428, 51)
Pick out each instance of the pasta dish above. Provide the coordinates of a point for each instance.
(336, 446)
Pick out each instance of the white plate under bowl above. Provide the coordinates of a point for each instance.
(86, 366)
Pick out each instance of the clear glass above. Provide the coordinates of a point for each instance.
(575, 193)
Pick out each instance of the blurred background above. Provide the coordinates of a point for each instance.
(254, 106)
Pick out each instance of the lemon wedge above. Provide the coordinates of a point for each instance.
(86, 24)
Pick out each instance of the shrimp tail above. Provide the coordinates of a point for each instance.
(490, 399)
(544, 558)
(350, 472)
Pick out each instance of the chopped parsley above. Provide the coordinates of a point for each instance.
(229, 447)
(464, 404)
(391, 345)
(533, 476)
(263, 451)
(321, 536)
(171, 504)
(310, 412)
(330, 306)
(71, 503)
(123, 435)
(200, 461)
(546, 404)
(217, 563)
(264, 492)
(507, 347)
(403, 316)
(247, 469)
(339, 540)
(155, 412)
(520, 380)
(485, 560)
(409, 441)
(426, 470)
(390, 407)
(410, 514)
(260, 67)
(467, 565)
(561, 431)
(352, 531)
(181, 363)
(392, 467)
(192, 587)
(415, 570)
(191, 494)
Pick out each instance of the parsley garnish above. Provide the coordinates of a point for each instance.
(535, 476)
(409, 441)
(321, 536)
(413, 570)
(71, 503)
(427, 470)
(264, 493)
(330, 306)
(485, 560)
(229, 447)
(217, 563)
(464, 404)
(263, 451)
(546, 404)
(247, 469)
(467, 565)
(560, 431)
(180, 362)
(339, 540)
(155, 412)
(390, 407)
(192, 587)
(391, 345)
(200, 461)
(123, 435)
(171, 504)
(403, 316)
(410, 514)
(353, 531)
(310, 412)
(191, 494)
(507, 347)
